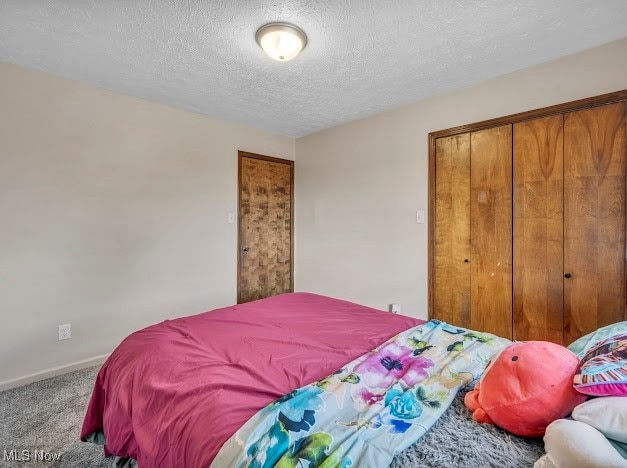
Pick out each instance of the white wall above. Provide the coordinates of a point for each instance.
(113, 216)
(358, 186)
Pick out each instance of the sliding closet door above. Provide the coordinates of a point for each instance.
(491, 230)
(452, 229)
(594, 219)
(538, 229)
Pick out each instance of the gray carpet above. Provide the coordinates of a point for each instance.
(47, 416)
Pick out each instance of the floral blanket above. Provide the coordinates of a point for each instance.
(371, 409)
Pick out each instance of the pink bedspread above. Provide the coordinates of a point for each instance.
(173, 393)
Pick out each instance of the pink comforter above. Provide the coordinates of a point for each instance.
(173, 393)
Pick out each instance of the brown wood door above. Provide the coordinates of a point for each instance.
(265, 244)
(594, 219)
(491, 230)
(452, 229)
(539, 229)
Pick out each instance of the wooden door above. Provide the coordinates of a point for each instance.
(594, 219)
(452, 229)
(539, 229)
(266, 187)
(491, 230)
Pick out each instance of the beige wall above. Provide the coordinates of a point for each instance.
(113, 216)
(358, 186)
(113, 210)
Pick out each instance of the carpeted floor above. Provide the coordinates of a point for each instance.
(47, 416)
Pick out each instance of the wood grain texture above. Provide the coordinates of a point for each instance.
(539, 229)
(594, 219)
(452, 229)
(491, 230)
(265, 227)
(431, 228)
(559, 109)
(603, 99)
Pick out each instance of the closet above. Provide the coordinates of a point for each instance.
(527, 221)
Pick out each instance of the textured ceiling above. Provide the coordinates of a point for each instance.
(363, 56)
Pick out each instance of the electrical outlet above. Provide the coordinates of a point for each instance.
(65, 332)
(395, 308)
(420, 217)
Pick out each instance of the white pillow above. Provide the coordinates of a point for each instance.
(575, 444)
(544, 462)
(607, 414)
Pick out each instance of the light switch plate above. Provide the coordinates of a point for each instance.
(231, 217)
(420, 217)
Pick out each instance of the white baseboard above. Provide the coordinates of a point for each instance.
(52, 372)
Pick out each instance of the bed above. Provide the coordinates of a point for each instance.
(210, 388)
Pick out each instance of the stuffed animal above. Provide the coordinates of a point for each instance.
(526, 387)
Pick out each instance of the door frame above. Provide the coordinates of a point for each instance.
(246, 154)
(610, 98)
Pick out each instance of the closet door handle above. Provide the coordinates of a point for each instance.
(567, 275)
(466, 260)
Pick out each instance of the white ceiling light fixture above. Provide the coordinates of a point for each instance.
(281, 41)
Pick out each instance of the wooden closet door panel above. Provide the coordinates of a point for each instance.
(452, 229)
(539, 229)
(594, 219)
(491, 230)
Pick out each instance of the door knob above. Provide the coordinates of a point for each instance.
(567, 275)
(466, 260)
(245, 249)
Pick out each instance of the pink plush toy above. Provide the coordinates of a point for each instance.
(526, 387)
